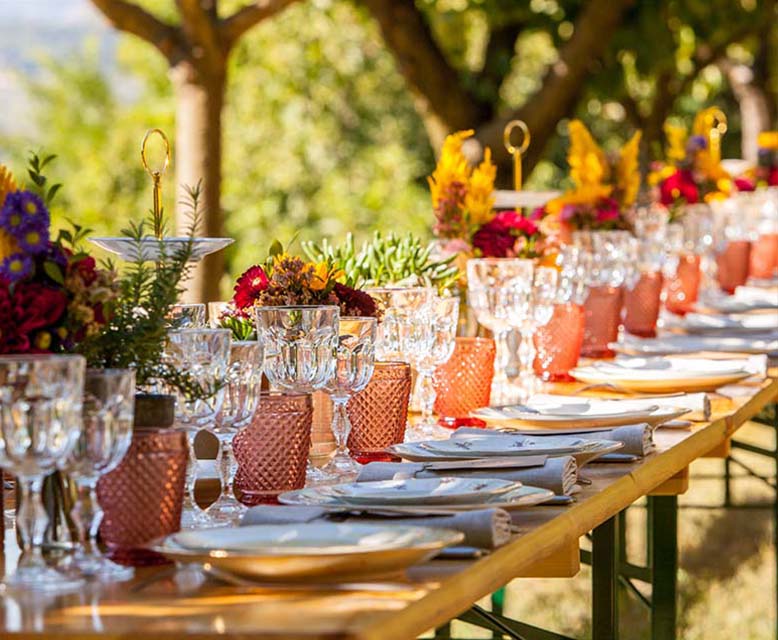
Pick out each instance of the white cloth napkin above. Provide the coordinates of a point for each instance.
(559, 475)
(484, 528)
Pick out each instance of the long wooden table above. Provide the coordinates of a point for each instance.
(184, 604)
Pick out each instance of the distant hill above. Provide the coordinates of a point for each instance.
(31, 29)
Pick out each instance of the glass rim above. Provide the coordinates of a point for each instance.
(268, 393)
(295, 307)
(200, 330)
(110, 371)
(41, 357)
(493, 260)
(394, 288)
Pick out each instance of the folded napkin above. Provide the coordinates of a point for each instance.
(484, 528)
(697, 403)
(559, 475)
(747, 293)
(638, 439)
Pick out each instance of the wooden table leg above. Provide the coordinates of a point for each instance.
(605, 564)
(663, 560)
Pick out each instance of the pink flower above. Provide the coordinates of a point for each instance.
(679, 186)
(496, 238)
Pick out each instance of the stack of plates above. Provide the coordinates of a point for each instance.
(664, 375)
(504, 447)
(289, 553)
(589, 413)
(420, 495)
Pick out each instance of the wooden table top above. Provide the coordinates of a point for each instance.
(184, 605)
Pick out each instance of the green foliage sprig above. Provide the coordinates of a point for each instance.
(385, 260)
(136, 333)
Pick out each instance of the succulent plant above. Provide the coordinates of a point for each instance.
(389, 259)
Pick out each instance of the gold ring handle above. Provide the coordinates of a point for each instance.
(156, 176)
(516, 151)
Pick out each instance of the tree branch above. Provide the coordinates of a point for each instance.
(564, 81)
(234, 26)
(129, 17)
(200, 25)
(436, 84)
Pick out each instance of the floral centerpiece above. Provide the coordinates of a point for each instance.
(692, 172)
(286, 280)
(604, 187)
(766, 171)
(463, 202)
(52, 294)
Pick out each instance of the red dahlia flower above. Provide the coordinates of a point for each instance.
(248, 287)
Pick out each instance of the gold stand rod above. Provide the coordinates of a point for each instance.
(156, 176)
(516, 151)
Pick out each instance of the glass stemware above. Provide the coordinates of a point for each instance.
(109, 403)
(187, 316)
(204, 354)
(486, 287)
(300, 346)
(433, 337)
(41, 399)
(241, 399)
(397, 304)
(530, 304)
(354, 368)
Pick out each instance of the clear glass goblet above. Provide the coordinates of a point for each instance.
(204, 355)
(487, 279)
(355, 359)
(187, 316)
(109, 404)
(397, 305)
(300, 351)
(241, 399)
(437, 328)
(40, 421)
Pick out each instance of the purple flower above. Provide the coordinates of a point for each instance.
(695, 144)
(21, 211)
(15, 267)
(33, 239)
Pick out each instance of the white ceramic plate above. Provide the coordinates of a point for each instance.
(522, 497)
(658, 380)
(506, 446)
(416, 490)
(599, 414)
(676, 344)
(415, 453)
(150, 248)
(738, 323)
(667, 368)
(324, 551)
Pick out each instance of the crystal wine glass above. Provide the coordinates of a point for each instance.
(354, 368)
(397, 304)
(109, 403)
(241, 399)
(204, 355)
(486, 281)
(434, 334)
(40, 420)
(300, 345)
(187, 316)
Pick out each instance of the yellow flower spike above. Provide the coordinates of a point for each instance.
(452, 165)
(628, 171)
(768, 140)
(676, 142)
(479, 200)
(7, 183)
(588, 163)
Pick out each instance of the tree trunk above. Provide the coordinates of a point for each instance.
(754, 110)
(199, 102)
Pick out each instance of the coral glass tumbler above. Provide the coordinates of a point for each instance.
(558, 343)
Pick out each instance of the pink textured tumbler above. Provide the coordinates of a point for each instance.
(683, 289)
(602, 318)
(558, 343)
(642, 303)
(733, 264)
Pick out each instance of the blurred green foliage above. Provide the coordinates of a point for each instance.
(321, 134)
